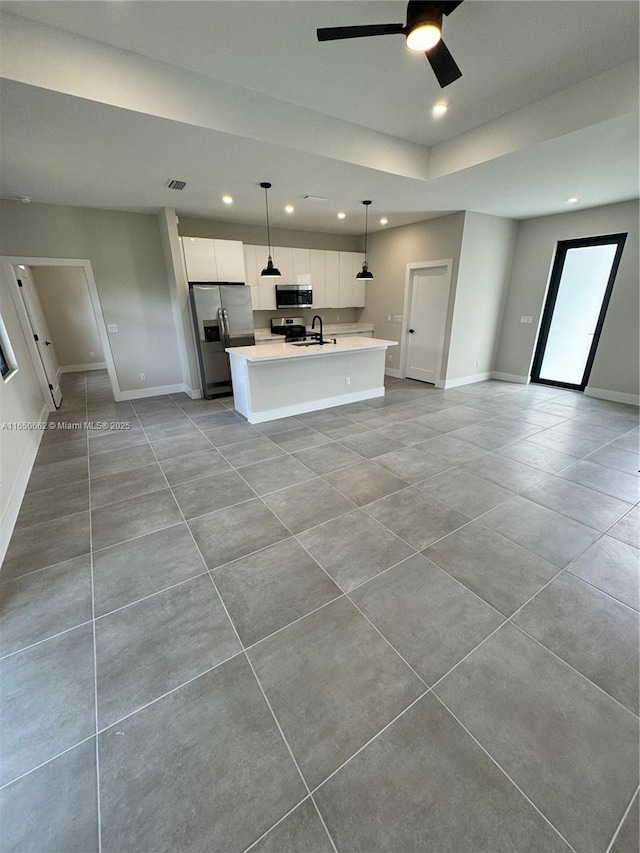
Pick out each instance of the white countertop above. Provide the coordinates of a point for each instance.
(330, 330)
(278, 352)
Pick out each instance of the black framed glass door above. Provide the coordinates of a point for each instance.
(582, 279)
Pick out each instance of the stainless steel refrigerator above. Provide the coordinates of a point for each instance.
(222, 317)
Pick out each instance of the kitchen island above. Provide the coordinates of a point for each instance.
(279, 380)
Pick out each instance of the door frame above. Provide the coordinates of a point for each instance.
(10, 262)
(38, 325)
(411, 269)
(562, 247)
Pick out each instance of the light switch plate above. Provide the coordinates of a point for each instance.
(526, 319)
(111, 327)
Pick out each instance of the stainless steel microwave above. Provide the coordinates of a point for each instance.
(294, 296)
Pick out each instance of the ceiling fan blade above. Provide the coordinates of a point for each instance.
(443, 64)
(332, 33)
(449, 6)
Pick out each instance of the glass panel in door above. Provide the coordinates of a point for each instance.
(579, 291)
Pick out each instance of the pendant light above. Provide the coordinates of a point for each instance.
(269, 271)
(365, 272)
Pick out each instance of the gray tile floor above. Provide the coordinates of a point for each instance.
(403, 625)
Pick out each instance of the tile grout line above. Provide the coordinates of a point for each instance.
(627, 811)
(246, 656)
(93, 628)
(504, 772)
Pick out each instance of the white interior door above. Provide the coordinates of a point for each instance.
(41, 333)
(429, 297)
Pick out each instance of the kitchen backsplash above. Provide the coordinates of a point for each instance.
(329, 315)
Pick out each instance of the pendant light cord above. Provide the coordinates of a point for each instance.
(366, 230)
(266, 204)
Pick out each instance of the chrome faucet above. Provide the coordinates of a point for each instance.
(321, 340)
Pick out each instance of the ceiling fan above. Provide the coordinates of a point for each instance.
(423, 32)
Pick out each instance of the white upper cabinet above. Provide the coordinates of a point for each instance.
(359, 285)
(332, 276)
(213, 260)
(301, 266)
(345, 287)
(250, 265)
(229, 260)
(283, 260)
(200, 259)
(317, 272)
(332, 280)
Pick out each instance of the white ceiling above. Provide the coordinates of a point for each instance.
(64, 149)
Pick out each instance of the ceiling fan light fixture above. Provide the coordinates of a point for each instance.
(365, 272)
(424, 37)
(270, 271)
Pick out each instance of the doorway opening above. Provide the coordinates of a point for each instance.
(61, 317)
(582, 279)
(425, 320)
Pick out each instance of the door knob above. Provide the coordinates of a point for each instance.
(411, 331)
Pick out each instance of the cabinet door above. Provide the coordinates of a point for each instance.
(283, 259)
(229, 260)
(359, 285)
(317, 265)
(345, 286)
(200, 259)
(301, 266)
(250, 265)
(331, 278)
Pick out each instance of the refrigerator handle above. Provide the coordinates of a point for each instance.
(226, 328)
(223, 330)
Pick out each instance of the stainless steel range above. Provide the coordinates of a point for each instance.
(293, 328)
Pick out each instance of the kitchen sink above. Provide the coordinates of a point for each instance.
(310, 343)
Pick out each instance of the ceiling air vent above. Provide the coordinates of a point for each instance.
(176, 185)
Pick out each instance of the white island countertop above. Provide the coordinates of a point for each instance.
(278, 352)
(273, 381)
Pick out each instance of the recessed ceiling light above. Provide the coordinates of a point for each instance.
(439, 110)
(341, 215)
(289, 208)
(227, 199)
(572, 200)
(384, 220)
(25, 199)
(193, 239)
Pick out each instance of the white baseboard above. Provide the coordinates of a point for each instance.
(158, 391)
(194, 393)
(509, 377)
(19, 488)
(614, 396)
(466, 380)
(315, 405)
(393, 371)
(77, 368)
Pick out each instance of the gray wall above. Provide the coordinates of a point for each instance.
(128, 264)
(480, 289)
(616, 364)
(67, 308)
(389, 253)
(256, 235)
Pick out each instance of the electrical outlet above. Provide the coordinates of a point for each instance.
(143, 376)
(112, 328)
(397, 318)
(347, 380)
(526, 319)
(92, 354)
